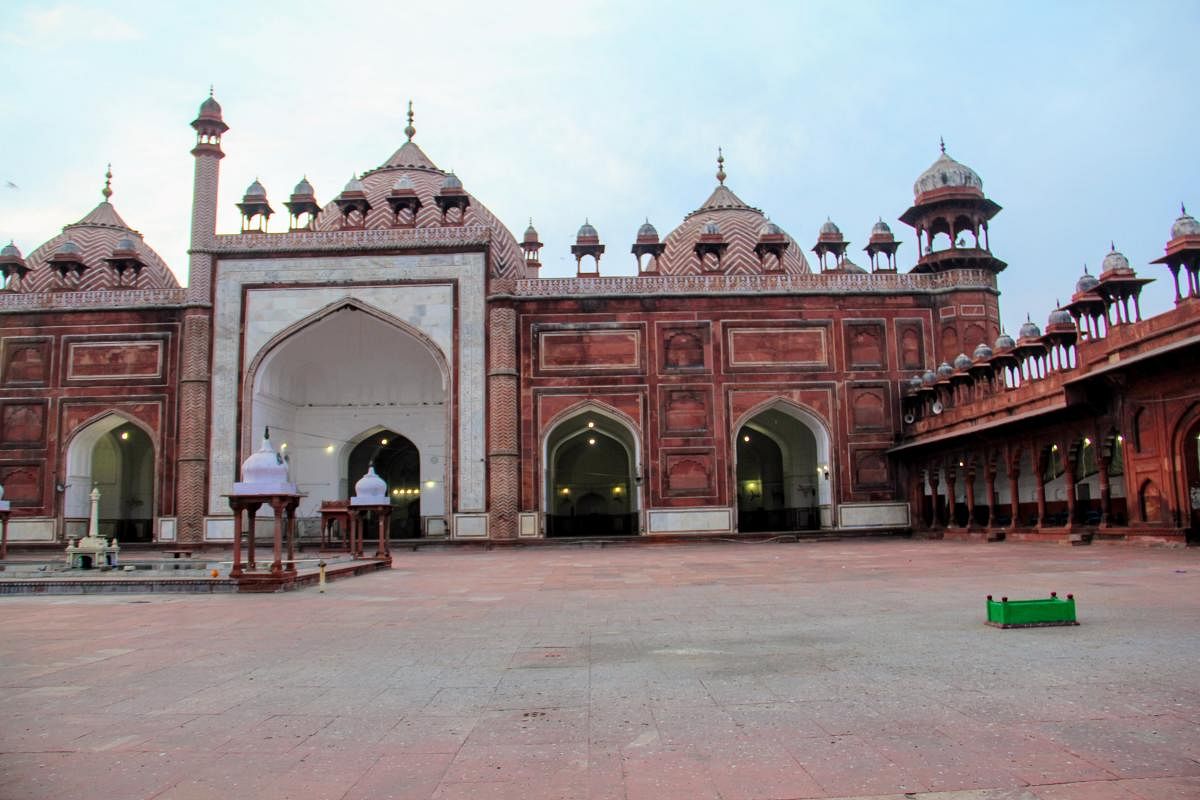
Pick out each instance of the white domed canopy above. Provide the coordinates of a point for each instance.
(828, 228)
(1185, 225)
(587, 231)
(1003, 342)
(1116, 262)
(256, 191)
(1086, 282)
(370, 490)
(303, 188)
(451, 181)
(1060, 316)
(1030, 330)
(264, 472)
(982, 351)
(647, 230)
(947, 172)
(962, 361)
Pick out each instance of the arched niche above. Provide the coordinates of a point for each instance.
(783, 473)
(115, 454)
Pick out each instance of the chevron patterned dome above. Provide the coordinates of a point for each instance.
(740, 225)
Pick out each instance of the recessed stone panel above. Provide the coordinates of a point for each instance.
(23, 423)
(686, 411)
(869, 408)
(22, 483)
(689, 473)
(26, 362)
(757, 347)
(866, 345)
(96, 361)
(584, 351)
(910, 344)
(684, 347)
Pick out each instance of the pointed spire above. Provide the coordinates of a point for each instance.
(210, 90)
(720, 167)
(942, 145)
(1085, 272)
(107, 190)
(1112, 246)
(409, 130)
(1182, 210)
(267, 432)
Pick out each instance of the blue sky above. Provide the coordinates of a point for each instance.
(1081, 118)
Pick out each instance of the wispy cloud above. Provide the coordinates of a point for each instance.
(69, 22)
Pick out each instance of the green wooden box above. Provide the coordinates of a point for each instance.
(1053, 610)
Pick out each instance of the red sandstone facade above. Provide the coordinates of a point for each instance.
(728, 387)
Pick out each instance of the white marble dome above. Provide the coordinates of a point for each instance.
(370, 490)
(264, 472)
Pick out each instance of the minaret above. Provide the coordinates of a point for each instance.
(208, 154)
(191, 472)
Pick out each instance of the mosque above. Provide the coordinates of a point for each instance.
(733, 386)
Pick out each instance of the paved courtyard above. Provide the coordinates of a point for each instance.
(735, 671)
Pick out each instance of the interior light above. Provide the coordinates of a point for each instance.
(125, 435)
(616, 490)
(1086, 442)
(283, 446)
(591, 441)
(383, 441)
(1054, 448)
(960, 463)
(591, 424)
(565, 491)
(1121, 439)
(746, 438)
(328, 448)
(430, 484)
(395, 492)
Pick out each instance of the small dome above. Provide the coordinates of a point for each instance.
(255, 191)
(947, 172)
(354, 185)
(647, 230)
(371, 487)
(1116, 261)
(404, 184)
(1003, 342)
(531, 234)
(962, 361)
(451, 181)
(586, 231)
(881, 229)
(1086, 282)
(304, 188)
(982, 351)
(828, 228)
(210, 109)
(125, 245)
(1030, 330)
(10, 250)
(929, 378)
(1186, 225)
(945, 370)
(711, 228)
(1060, 316)
(68, 248)
(770, 229)
(914, 382)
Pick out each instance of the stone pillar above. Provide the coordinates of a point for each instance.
(951, 501)
(1069, 487)
(191, 475)
(990, 488)
(971, 498)
(1105, 488)
(1014, 489)
(933, 496)
(504, 477)
(1041, 494)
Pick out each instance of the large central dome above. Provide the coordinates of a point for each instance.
(724, 214)
(409, 169)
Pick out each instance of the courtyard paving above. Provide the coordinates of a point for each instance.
(735, 671)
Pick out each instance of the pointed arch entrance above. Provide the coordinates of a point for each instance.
(115, 455)
(347, 375)
(1190, 456)
(782, 469)
(591, 475)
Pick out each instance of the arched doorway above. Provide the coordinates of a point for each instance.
(348, 370)
(782, 470)
(591, 483)
(117, 457)
(398, 461)
(1191, 459)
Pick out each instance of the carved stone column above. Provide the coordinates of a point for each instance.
(504, 477)
(951, 501)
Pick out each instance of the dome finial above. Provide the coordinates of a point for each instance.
(267, 432)
(720, 167)
(1112, 246)
(1182, 210)
(107, 190)
(210, 90)
(942, 145)
(409, 130)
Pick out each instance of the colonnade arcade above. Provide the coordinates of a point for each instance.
(1077, 480)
